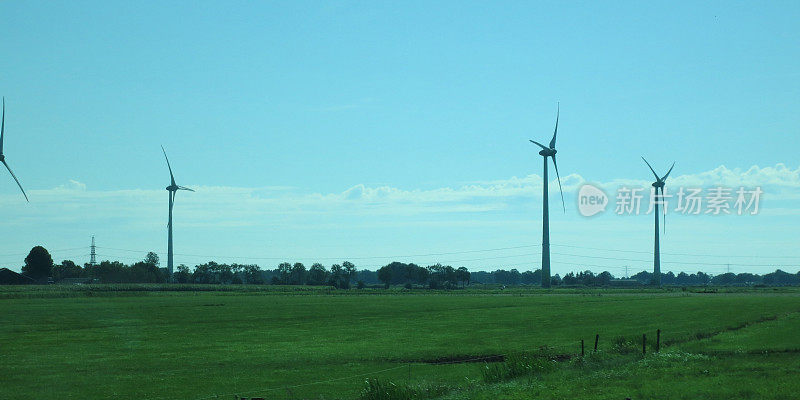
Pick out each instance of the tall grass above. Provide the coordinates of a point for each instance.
(376, 389)
(515, 366)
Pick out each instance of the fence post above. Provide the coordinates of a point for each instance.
(409, 373)
(596, 339)
(658, 340)
(582, 348)
(644, 343)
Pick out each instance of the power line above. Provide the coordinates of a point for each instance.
(673, 254)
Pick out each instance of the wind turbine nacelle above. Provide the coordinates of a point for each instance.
(547, 152)
(172, 188)
(658, 184)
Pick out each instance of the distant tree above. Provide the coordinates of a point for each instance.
(780, 278)
(252, 274)
(284, 273)
(367, 276)
(67, 269)
(747, 279)
(442, 276)
(683, 279)
(317, 275)
(297, 275)
(38, 264)
(183, 275)
(462, 275)
(349, 271)
(338, 278)
(145, 272)
(385, 275)
(108, 272)
(487, 277)
(152, 259)
(702, 278)
(604, 278)
(724, 279)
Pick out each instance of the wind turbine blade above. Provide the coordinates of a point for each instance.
(670, 170)
(651, 168)
(185, 188)
(559, 185)
(171, 177)
(539, 144)
(3, 125)
(16, 180)
(664, 206)
(555, 131)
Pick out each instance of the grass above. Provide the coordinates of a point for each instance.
(141, 341)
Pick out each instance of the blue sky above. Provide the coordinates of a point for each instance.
(365, 130)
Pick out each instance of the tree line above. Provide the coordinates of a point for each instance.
(40, 268)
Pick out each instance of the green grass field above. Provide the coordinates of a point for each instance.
(141, 343)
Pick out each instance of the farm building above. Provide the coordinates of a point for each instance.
(9, 277)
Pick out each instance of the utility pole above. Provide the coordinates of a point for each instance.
(92, 254)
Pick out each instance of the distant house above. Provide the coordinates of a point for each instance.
(9, 277)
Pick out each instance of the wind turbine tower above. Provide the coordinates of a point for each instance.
(172, 189)
(548, 151)
(658, 185)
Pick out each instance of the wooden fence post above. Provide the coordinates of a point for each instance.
(644, 343)
(596, 339)
(658, 340)
(582, 348)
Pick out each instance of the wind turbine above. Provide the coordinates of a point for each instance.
(2, 156)
(658, 185)
(548, 152)
(172, 189)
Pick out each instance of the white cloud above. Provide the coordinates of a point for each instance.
(238, 206)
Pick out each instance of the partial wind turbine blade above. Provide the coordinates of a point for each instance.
(664, 206)
(3, 126)
(559, 184)
(555, 131)
(670, 170)
(16, 180)
(171, 177)
(185, 188)
(539, 144)
(651, 168)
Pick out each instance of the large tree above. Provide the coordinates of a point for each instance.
(38, 263)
